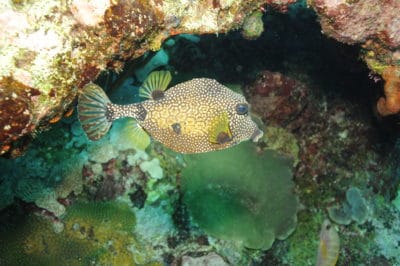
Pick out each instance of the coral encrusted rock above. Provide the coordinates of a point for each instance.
(375, 25)
(357, 21)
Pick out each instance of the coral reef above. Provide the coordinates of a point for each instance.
(41, 177)
(334, 156)
(316, 127)
(235, 195)
(129, 201)
(154, 228)
(51, 49)
(102, 170)
(282, 141)
(386, 237)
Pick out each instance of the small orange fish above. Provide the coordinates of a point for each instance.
(198, 115)
(329, 244)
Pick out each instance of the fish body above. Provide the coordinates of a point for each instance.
(329, 245)
(195, 116)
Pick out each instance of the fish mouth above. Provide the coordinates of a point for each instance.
(257, 134)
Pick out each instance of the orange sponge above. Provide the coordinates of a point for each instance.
(390, 104)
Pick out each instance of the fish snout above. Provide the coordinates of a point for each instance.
(257, 134)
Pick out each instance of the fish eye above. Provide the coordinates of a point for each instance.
(242, 108)
(328, 227)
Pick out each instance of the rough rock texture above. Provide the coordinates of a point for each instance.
(373, 23)
(357, 21)
(50, 49)
(277, 99)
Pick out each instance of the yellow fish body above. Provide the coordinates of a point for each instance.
(195, 116)
(329, 245)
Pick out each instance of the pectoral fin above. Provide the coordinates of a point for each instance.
(220, 132)
(136, 134)
(155, 85)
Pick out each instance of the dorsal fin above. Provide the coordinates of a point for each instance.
(155, 84)
(219, 131)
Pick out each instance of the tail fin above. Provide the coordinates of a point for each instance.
(93, 111)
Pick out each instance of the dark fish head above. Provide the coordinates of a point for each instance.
(241, 123)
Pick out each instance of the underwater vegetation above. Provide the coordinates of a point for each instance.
(241, 194)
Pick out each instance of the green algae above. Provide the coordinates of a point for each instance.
(241, 195)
